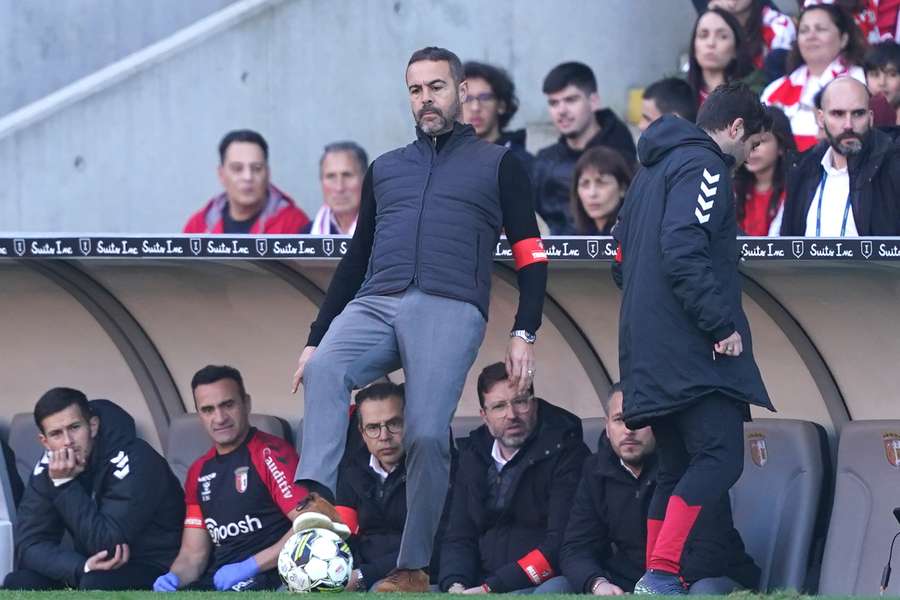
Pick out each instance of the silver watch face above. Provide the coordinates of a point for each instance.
(521, 333)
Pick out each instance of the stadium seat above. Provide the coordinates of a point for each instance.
(7, 515)
(463, 426)
(23, 439)
(776, 500)
(592, 429)
(867, 489)
(188, 440)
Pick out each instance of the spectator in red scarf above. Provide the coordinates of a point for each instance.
(866, 14)
(829, 44)
(759, 188)
(249, 204)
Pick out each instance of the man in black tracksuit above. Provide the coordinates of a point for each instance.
(371, 490)
(603, 552)
(512, 494)
(684, 342)
(109, 490)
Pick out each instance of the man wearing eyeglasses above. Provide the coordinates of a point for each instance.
(512, 494)
(371, 491)
(490, 105)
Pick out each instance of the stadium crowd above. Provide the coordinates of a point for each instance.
(579, 182)
(531, 508)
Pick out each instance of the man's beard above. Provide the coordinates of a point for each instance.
(854, 148)
(443, 125)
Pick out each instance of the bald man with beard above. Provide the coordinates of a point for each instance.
(821, 202)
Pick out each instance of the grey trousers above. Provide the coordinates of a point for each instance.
(436, 340)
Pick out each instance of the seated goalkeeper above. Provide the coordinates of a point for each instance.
(112, 493)
(240, 497)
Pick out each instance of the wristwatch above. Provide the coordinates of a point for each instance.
(525, 335)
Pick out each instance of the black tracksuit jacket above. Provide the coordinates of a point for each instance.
(128, 494)
(481, 546)
(677, 237)
(380, 514)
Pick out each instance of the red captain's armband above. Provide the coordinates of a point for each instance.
(350, 518)
(193, 518)
(529, 251)
(536, 566)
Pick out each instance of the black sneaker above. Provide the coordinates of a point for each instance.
(660, 583)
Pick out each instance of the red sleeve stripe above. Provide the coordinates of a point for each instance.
(193, 518)
(529, 251)
(536, 566)
(350, 518)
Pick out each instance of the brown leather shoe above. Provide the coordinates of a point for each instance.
(403, 580)
(318, 513)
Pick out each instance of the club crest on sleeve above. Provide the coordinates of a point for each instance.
(706, 197)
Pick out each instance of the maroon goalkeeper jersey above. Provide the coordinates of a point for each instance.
(242, 498)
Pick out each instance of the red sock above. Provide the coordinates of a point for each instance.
(653, 528)
(680, 519)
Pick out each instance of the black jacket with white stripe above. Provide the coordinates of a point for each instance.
(677, 236)
(127, 494)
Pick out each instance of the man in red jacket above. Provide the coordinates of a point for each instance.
(249, 204)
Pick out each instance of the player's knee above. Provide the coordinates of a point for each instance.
(323, 367)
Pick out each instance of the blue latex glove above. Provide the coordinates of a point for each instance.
(166, 583)
(228, 575)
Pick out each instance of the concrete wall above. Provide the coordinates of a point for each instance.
(140, 156)
(50, 43)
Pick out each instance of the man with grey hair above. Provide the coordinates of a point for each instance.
(413, 291)
(341, 170)
(821, 201)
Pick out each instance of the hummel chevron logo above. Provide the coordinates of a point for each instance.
(706, 197)
(121, 460)
(710, 179)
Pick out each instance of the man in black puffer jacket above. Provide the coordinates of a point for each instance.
(855, 157)
(512, 494)
(109, 490)
(685, 351)
(604, 548)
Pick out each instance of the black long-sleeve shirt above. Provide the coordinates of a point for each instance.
(519, 223)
